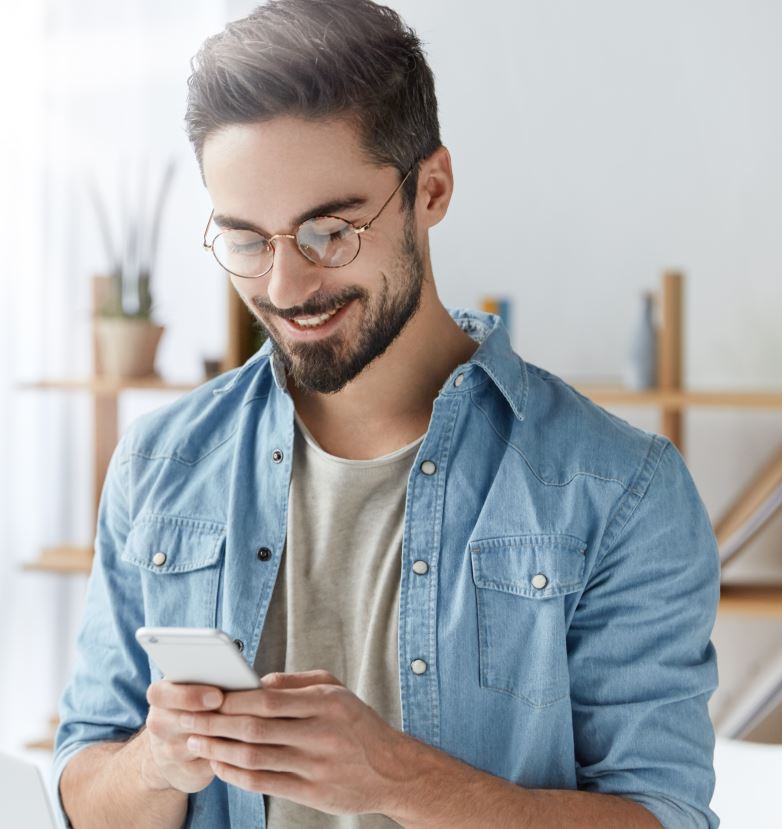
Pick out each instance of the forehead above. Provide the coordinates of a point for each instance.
(283, 165)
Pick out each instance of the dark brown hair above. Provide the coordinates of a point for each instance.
(320, 59)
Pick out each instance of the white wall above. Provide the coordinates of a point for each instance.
(594, 144)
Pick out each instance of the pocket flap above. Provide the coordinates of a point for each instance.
(170, 544)
(536, 566)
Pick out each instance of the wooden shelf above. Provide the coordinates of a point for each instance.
(44, 744)
(110, 385)
(62, 559)
(751, 599)
(679, 399)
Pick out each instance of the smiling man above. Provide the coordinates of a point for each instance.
(475, 598)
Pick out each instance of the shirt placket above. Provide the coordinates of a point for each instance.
(418, 664)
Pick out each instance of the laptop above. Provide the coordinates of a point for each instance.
(23, 795)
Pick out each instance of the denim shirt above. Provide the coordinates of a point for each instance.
(560, 637)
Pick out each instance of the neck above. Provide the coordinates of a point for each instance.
(389, 403)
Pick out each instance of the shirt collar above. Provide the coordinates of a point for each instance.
(494, 355)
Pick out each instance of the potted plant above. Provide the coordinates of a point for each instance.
(126, 333)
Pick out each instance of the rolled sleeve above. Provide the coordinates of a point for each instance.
(641, 661)
(105, 698)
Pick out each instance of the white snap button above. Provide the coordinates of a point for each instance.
(420, 567)
(539, 581)
(418, 666)
(159, 559)
(428, 468)
(459, 380)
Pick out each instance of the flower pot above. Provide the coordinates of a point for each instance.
(127, 346)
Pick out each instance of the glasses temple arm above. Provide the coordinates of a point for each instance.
(206, 246)
(396, 189)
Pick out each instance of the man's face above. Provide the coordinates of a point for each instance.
(268, 175)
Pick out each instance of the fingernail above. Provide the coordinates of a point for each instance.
(212, 699)
(193, 743)
(187, 721)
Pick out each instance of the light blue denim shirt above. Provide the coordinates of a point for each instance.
(563, 622)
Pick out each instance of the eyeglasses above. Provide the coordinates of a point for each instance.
(329, 241)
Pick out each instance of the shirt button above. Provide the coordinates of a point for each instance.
(459, 380)
(277, 455)
(239, 644)
(428, 468)
(159, 559)
(539, 581)
(420, 567)
(264, 553)
(418, 666)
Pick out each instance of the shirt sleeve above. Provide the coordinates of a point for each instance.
(641, 661)
(105, 698)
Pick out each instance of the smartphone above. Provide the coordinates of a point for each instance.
(198, 656)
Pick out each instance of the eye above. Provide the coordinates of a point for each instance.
(327, 227)
(244, 242)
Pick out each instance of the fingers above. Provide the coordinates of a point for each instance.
(164, 694)
(252, 757)
(309, 701)
(164, 723)
(250, 729)
(299, 679)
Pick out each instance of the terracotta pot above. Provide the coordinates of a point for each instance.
(127, 346)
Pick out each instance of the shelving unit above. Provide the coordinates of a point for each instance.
(670, 398)
(74, 559)
(673, 402)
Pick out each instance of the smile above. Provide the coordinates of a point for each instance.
(316, 327)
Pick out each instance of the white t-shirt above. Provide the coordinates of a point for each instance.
(335, 602)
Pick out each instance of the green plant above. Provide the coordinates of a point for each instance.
(132, 267)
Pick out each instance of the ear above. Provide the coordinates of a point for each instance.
(435, 186)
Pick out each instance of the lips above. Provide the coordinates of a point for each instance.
(315, 332)
(322, 319)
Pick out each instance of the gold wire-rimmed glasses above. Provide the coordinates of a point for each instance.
(328, 241)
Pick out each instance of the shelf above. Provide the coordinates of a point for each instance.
(751, 599)
(679, 398)
(62, 559)
(110, 385)
(601, 393)
(44, 744)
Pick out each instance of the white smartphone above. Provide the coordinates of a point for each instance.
(198, 656)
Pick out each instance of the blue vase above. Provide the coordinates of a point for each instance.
(640, 371)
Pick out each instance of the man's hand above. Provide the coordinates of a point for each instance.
(173, 765)
(307, 738)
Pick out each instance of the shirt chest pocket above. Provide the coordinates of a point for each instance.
(521, 585)
(180, 565)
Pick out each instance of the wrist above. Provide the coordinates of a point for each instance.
(151, 776)
(420, 772)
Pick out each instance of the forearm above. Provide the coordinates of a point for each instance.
(445, 793)
(113, 784)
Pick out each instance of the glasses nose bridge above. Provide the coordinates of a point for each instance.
(281, 236)
(270, 241)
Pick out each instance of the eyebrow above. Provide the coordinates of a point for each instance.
(329, 208)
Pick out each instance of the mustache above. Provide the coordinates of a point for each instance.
(315, 305)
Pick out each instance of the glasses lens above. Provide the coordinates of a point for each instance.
(328, 241)
(243, 252)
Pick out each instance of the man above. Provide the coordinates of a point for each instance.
(476, 599)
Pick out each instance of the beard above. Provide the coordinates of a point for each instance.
(327, 366)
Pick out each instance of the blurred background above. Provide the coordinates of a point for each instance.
(618, 174)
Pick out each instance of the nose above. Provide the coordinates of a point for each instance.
(293, 278)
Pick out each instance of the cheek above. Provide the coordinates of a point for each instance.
(247, 289)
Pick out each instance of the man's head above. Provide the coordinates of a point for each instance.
(310, 102)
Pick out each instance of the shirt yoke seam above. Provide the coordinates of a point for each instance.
(518, 450)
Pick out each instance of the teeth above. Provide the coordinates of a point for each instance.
(311, 322)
